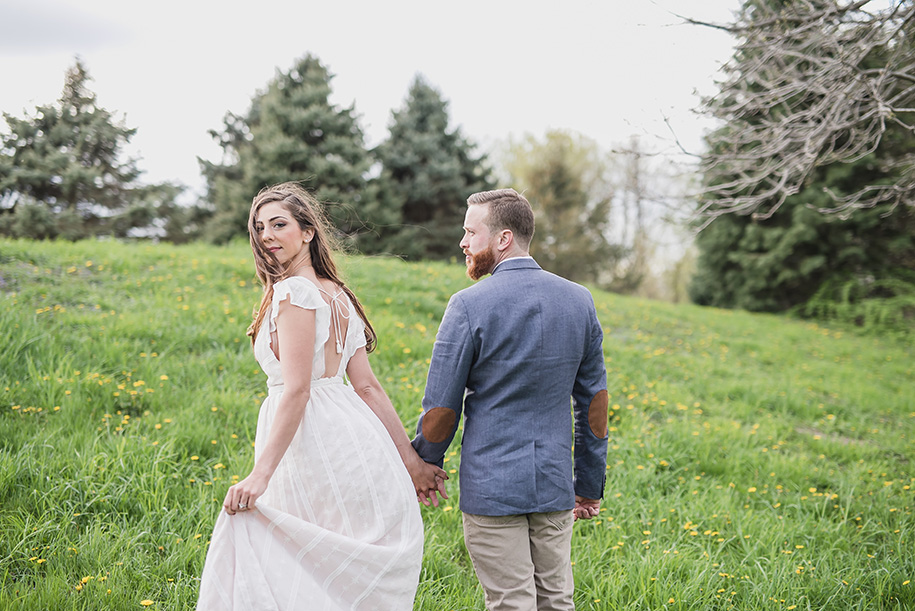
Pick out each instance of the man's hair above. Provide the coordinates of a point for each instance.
(508, 209)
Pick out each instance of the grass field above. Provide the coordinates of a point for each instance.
(755, 462)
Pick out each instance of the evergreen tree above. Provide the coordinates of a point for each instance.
(428, 172)
(778, 261)
(291, 132)
(565, 179)
(781, 262)
(62, 172)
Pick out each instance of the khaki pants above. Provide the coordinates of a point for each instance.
(523, 561)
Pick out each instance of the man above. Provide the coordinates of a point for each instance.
(510, 352)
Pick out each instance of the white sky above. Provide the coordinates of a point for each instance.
(172, 69)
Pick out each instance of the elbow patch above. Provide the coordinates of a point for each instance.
(597, 414)
(438, 423)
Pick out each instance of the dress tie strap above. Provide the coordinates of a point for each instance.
(337, 305)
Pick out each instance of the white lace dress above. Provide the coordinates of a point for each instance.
(339, 525)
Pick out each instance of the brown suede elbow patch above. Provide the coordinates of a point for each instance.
(597, 414)
(439, 422)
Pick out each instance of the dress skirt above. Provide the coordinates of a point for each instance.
(338, 526)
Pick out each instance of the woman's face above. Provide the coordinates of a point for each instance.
(279, 232)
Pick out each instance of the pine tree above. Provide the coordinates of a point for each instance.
(781, 262)
(62, 172)
(427, 174)
(291, 132)
(777, 261)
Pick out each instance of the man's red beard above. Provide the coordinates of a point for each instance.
(481, 264)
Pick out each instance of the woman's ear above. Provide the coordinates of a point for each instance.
(308, 234)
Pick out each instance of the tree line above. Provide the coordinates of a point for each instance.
(62, 175)
(806, 200)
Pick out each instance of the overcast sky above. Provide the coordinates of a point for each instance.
(172, 69)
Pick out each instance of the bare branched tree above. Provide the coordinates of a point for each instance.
(812, 83)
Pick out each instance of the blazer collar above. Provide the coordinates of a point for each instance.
(518, 263)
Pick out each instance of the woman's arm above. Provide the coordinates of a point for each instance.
(295, 331)
(427, 478)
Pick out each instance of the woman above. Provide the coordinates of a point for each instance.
(328, 517)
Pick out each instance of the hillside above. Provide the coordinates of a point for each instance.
(756, 462)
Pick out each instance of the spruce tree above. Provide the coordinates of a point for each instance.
(797, 253)
(291, 132)
(62, 172)
(428, 171)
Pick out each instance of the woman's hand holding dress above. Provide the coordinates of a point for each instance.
(295, 332)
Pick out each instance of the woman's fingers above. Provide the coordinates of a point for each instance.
(238, 499)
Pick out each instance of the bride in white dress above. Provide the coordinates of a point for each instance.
(328, 518)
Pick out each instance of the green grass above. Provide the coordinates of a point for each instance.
(756, 462)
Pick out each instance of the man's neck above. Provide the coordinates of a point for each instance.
(515, 255)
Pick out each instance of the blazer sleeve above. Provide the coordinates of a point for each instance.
(589, 407)
(452, 357)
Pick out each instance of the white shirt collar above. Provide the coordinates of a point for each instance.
(511, 259)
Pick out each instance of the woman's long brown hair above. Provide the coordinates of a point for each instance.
(307, 212)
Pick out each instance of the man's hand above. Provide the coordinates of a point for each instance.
(429, 494)
(585, 509)
(428, 480)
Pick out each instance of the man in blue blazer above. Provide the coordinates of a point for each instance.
(512, 352)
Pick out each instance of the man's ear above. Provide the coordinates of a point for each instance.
(506, 237)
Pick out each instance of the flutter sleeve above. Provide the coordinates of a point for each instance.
(302, 293)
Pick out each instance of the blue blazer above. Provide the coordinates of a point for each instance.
(510, 353)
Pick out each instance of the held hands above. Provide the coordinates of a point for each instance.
(428, 494)
(585, 509)
(243, 495)
(428, 480)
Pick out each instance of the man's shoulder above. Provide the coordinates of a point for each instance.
(523, 284)
(557, 282)
(476, 290)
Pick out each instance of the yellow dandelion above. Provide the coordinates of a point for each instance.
(147, 602)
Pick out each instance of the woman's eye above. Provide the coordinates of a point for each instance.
(279, 225)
